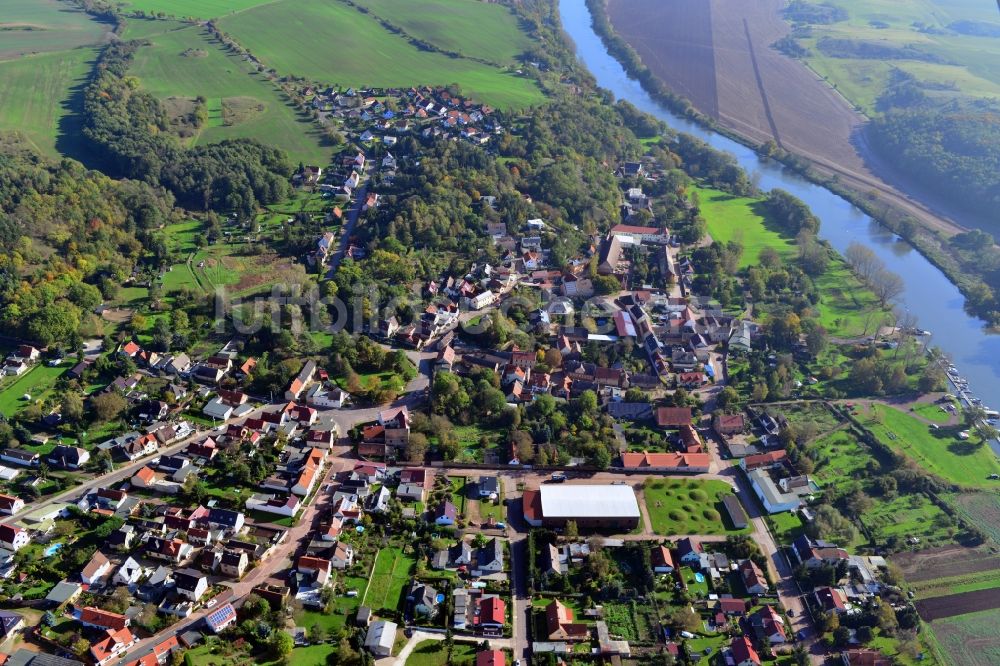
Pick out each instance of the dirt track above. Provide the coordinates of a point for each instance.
(757, 92)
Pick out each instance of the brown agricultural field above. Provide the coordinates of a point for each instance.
(933, 563)
(718, 54)
(957, 604)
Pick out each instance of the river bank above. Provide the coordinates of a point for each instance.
(929, 295)
(922, 228)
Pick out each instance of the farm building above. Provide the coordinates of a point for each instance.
(598, 506)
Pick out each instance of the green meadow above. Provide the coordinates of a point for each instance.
(36, 98)
(469, 27)
(200, 9)
(333, 43)
(733, 218)
(186, 63)
(38, 26)
(963, 462)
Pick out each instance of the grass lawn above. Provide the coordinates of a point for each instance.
(932, 412)
(37, 382)
(459, 492)
(180, 237)
(787, 525)
(187, 63)
(468, 27)
(688, 506)
(364, 53)
(312, 655)
(273, 518)
(966, 463)
(729, 218)
(391, 575)
(434, 653)
(37, 98)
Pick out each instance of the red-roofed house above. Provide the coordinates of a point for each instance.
(742, 652)
(753, 578)
(490, 658)
(92, 616)
(763, 460)
(662, 560)
(114, 642)
(492, 613)
(729, 424)
(673, 417)
(831, 599)
(695, 463)
(769, 626)
(560, 626)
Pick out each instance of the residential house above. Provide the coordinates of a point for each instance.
(742, 653)
(729, 424)
(234, 563)
(20, 457)
(689, 550)
(129, 573)
(301, 380)
(424, 599)
(168, 550)
(559, 624)
(231, 521)
(753, 578)
(10, 505)
(342, 556)
(113, 643)
(489, 558)
(491, 614)
(190, 584)
(96, 569)
(831, 600)
(445, 513)
(488, 486)
(769, 626)
(288, 505)
(13, 538)
(815, 554)
(661, 559)
(91, 616)
(221, 618)
(491, 658)
(67, 457)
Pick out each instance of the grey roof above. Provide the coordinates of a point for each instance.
(62, 592)
(28, 658)
(381, 634)
(489, 484)
(490, 553)
(589, 501)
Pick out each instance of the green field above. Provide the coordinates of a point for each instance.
(36, 382)
(358, 51)
(203, 9)
(732, 218)
(966, 463)
(186, 64)
(846, 305)
(969, 640)
(981, 509)
(36, 98)
(688, 506)
(38, 26)
(469, 27)
(435, 653)
(390, 577)
(968, 62)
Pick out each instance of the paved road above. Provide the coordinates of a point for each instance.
(517, 532)
(349, 225)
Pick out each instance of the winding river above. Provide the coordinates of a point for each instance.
(929, 296)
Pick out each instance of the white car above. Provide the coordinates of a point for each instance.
(211, 602)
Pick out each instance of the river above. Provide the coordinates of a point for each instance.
(929, 296)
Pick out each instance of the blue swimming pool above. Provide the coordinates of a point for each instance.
(52, 550)
(700, 577)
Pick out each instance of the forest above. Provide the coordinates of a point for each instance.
(128, 129)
